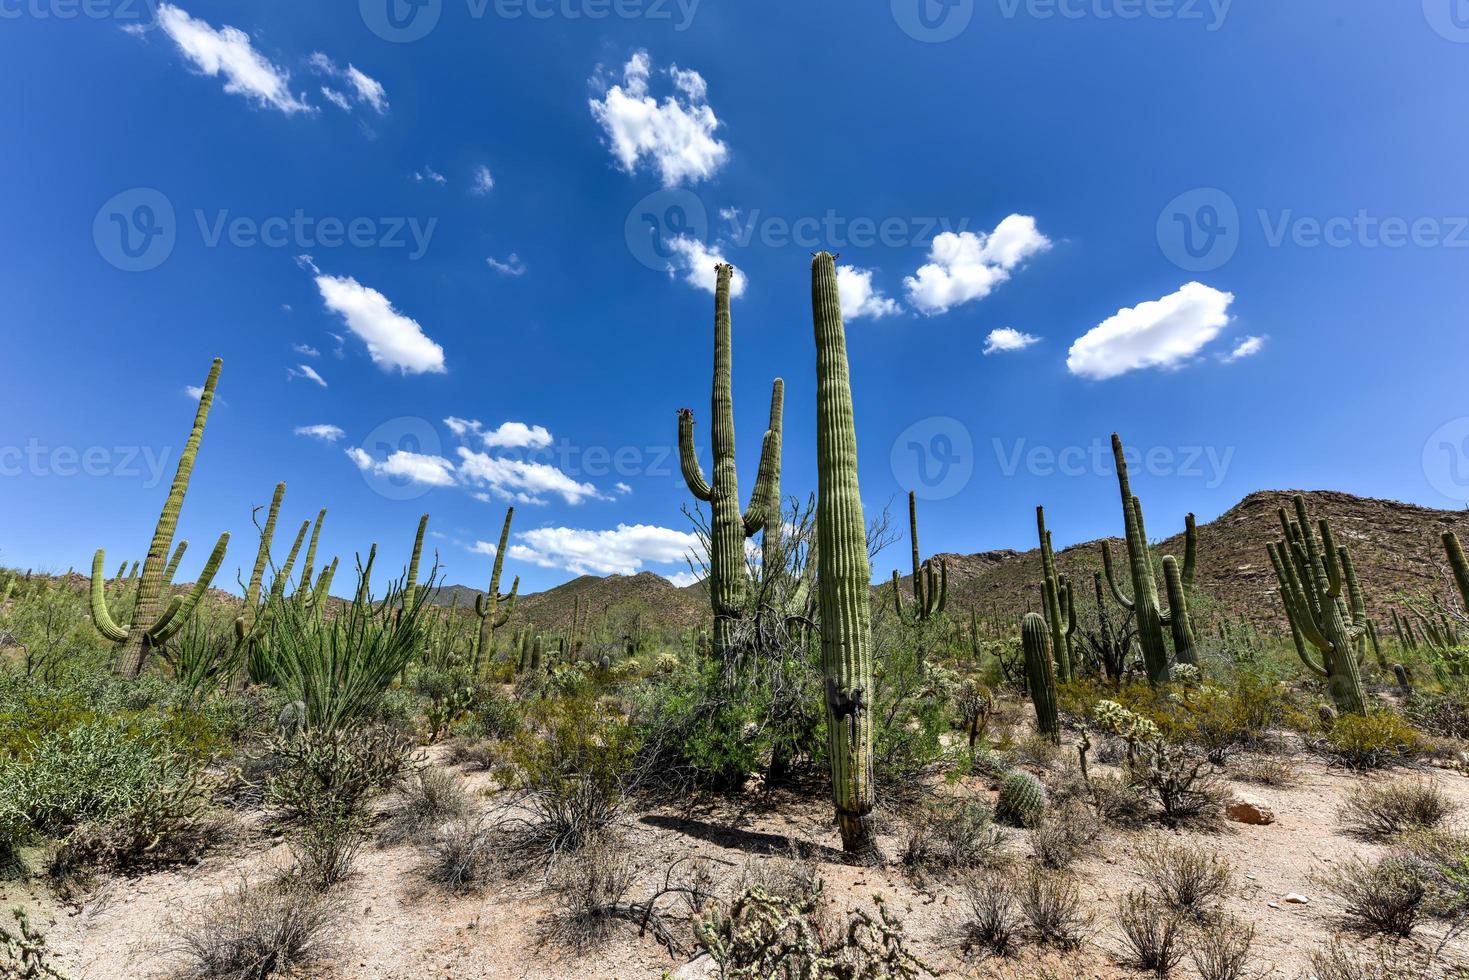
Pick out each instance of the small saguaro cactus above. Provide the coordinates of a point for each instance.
(1060, 604)
(1035, 637)
(153, 624)
(412, 594)
(537, 650)
(930, 586)
(1150, 617)
(728, 525)
(1459, 565)
(1318, 586)
(844, 573)
(487, 604)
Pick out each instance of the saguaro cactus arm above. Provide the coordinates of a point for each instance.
(1110, 575)
(180, 607)
(173, 563)
(101, 616)
(308, 566)
(688, 457)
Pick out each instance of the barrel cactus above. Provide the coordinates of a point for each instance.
(1022, 799)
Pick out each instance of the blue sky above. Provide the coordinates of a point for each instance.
(1234, 232)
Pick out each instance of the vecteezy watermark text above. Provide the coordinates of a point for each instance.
(405, 21)
(138, 229)
(38, 459)
(1207, 463)
(936, 21)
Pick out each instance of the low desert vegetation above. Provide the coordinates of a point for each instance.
(687, 790)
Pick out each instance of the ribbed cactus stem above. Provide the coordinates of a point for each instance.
(1184, 648)
(411, 594)
(1035, 638)
(844, 573)
(1323, 601)
(536, 652)
(1459, 566)
(152, 623)
(1057, 599)
(251, 609)
(487, 605)
(728, 526)
(308, 566)
(173, 563)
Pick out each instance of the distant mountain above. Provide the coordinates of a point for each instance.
(665, 604)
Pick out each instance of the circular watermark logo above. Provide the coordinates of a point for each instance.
(1450, 18)
(135, 230)
(401, 21)
(934, 458)
(657, 222)
(389, 457)
(933, 21)
(1199, 231)
(1446, 459)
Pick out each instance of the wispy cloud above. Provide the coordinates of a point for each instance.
(675, 137)
(365, 89)
(481, 182)
(306, 350)
(512, 266)
(1248, 347)
(227, 52)
(326, 433)
(307, 372)
(1007, 339)
(430, 175)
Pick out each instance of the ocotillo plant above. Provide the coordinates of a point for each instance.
(1150, 617)
(844, 573)
(1035, 637)
(728, 526)
(153, 624)
(930, 579)
(1318, 587)
(1060, 605)
(487, 604)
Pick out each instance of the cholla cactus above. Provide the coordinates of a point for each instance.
(153, 624)
(1116, 720)
(1022, 799)
(665, 663)
(1186, 674)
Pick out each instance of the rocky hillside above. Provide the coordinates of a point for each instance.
(1395, 546)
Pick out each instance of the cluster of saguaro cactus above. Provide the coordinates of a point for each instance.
(843, 574)
(1150, 617)
(1040, 675)
(1318, 586)
(1059, 603)
(487, 604)
(930, 579)
(153, 623)
(728, 525)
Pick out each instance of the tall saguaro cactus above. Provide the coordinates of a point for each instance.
(844, 573)
(487, 605)
(1060, 604)
(1035, 636)
(728, 525)
(1459, 565)
(930, 579)
(1318, 586)
(1151, 618)
(412, 594)
(153, 624)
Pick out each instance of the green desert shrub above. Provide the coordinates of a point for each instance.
(1441, 713)
(1373, 740)
(1186, 878)
(1385, 896)
(951, 833)
(1153, 934)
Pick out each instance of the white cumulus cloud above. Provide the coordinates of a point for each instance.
(433, 471)
(966, 266)
(674, 136)
(860, 298)
(522, 481)
(1008, 339)
(621, 551)
(326, 433)
(394, 341)
(1162, 333)
(227, 52)
(696, 262)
